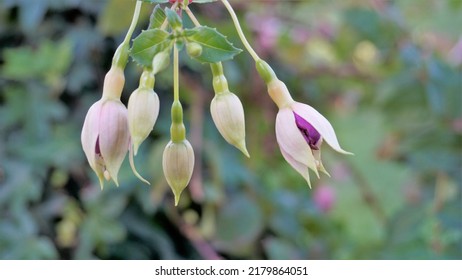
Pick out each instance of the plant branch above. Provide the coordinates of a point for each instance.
(239, 31)
(136, 15)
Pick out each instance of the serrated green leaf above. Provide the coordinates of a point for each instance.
(173, 18)
(215, 46)
(148, 44)
(157, 18)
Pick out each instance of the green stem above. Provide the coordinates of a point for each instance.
(217, 69)
(136, 15)
(121, 55)
(176, 73)
(219, 81)
(147, 79)
(177, 129)
(239, 31)
(192, 16)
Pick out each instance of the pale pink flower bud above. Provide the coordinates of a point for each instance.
(178, 165)
(228, 116)
(105, 138)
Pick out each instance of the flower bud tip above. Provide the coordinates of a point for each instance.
(116, 181)
(241, 146)
(136, 144)
(177, 197)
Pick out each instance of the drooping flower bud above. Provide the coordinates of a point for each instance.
(105, 138)
(143, 110)
(227, 111)
(178, 157)
(228, 116)
(178, 165)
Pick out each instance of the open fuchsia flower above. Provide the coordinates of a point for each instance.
(300, 132)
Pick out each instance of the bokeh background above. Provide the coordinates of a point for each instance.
(387, 74)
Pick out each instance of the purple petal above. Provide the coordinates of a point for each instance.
(97, 149)
(310, 134)
(320, 123)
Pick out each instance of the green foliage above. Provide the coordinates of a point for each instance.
(148, 44)
(173, 19)
(387, 85)
(215, 46)
(50, 61)
(157, 18)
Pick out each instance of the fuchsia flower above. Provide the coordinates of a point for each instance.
(300, 132)
(105, 135)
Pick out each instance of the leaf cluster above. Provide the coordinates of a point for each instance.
(215, 46)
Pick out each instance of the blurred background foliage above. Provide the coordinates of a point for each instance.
(386, 73)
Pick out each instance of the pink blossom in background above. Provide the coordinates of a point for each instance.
(268, 29)
(455, 55)
(324, 198)
(340, 172)
(300, 34)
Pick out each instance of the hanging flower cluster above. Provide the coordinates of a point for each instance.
(110, 130)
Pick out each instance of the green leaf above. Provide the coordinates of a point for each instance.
(173, 19)
(203, 1)
(280, 249)
(50, 60)
(239, 223)
(157, 18)
(148, 44)
(215, 46)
